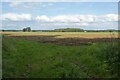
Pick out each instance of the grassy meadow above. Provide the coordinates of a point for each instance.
(27, 59)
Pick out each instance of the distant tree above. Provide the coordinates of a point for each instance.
(27, 29)
(3, 30)
(24, 29)
(69, 30)
(110, 31)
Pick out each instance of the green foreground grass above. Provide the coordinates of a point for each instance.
(28, 59)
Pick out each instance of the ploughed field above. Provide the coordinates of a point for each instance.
(76, 55)
(65, 38)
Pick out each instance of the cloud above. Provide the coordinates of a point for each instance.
(107, 17)
(65, 18)
(16, 17)
(61, 21)
(14, 4)
(83, 25)
(78, 18)
(111, 17)
(8, 24)
(22, 5)
(29, 5)
(61, 18)
(62, 0)
(43, 18)
(108, 21)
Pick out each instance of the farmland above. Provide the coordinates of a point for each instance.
(65, 34)
(60, 54)
(65, 38)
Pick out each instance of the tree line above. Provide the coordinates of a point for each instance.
(28, 29)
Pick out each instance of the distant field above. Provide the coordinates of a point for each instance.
(65, 34)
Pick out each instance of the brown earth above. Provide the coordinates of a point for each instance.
(65, 41)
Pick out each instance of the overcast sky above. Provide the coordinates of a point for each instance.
(52, 15)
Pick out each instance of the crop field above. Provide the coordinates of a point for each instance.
(66, 34)
(65, 38)
(60, 54)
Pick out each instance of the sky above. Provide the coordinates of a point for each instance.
(53, 15)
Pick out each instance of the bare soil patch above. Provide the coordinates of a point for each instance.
(65, 41)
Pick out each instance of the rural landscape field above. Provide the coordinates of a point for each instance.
(60, 40)
(54, 55)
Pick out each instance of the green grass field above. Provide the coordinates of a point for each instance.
(27, 59)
